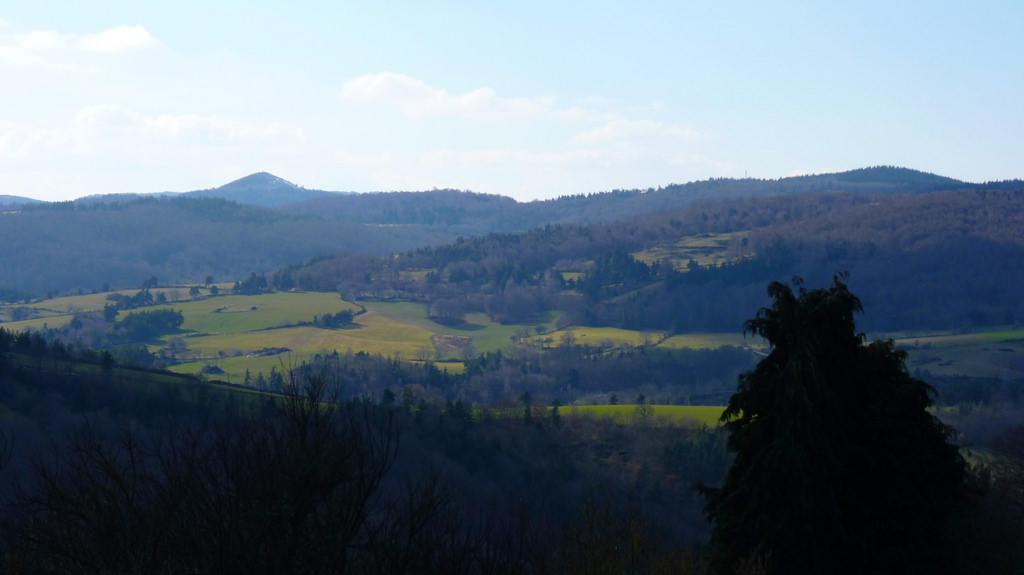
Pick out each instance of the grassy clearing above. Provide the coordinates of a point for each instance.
(96, 301)
(414, 275)
(485, 334)
(375, 336)
(233, 337)
(616, 337)
(243, 313)
(996, 353)
(709, 341)
(598, 336)
(687, 415)
(57, 312)
(680, 414)
(235, 367)
(704, 249)
(52, 322)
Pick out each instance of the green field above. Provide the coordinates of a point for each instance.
(244, 313)
(688, 415)
(599, 337)
(257, 332)
(998, 353)
(52, 322)
(414, 275)
(704, 249)
(711, 341)
(617, 337)
(239, 333)
(679, 414)
(57, 312)
(96, 301)
(485, 334)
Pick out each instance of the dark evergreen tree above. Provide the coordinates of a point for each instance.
(839, 466)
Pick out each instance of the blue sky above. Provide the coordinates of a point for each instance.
(527, 99)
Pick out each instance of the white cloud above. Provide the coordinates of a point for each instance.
(542, 148)
(417, 98)
(120, 135)
(104, 149)
(38, 46)
(119, 39)
(114, 121)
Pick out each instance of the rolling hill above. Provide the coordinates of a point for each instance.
(944, 260)
(17, 200)
(261, 189)
(262, 222)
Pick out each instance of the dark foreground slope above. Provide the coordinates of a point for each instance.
(107, 469)
(122, 470)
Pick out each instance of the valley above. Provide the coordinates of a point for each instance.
(511, 288)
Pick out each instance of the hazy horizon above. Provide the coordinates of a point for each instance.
(314, 187)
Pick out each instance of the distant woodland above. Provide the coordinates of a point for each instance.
(261, 223)
(944, 260)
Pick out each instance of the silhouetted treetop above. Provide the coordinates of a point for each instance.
(840, 467)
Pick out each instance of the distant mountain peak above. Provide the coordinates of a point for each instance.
(259, 180)
(260, 189)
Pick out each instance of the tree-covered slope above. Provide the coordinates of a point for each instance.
(942, 260)
(229, 232)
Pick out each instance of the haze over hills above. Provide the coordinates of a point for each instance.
(6, 200)
(261, 189)
(927, 261)
(262, 222)
(268, 190)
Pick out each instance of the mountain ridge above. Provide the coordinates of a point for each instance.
(269, 190)
(8, 200)
(185, 237)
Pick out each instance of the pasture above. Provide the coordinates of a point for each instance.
(598, 337)
(257, 333)
(606, 337)
(51, 322)
(96, 301)
(626, 413)
(711, 341)
(703, 249)
(235, 314)
(998, 353)
(58, 312)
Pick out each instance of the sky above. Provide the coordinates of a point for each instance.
(525, 99)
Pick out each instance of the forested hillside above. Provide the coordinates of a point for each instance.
(263, 222)
(102, 464)
(66, 247)
(6, 200)
(476, 214)
(944, 260)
